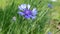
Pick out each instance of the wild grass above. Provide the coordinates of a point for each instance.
(41, 25)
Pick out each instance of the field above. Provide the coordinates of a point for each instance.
(47, 20)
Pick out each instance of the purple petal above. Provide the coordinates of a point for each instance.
(27, 17)
(28, 6)
(33, 17)
(21, 13)
(22, 7)
(34, 11)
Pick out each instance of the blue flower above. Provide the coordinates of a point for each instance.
(49, 32)
(26, 12)
(50, 6)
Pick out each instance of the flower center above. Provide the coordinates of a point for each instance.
(27, 12)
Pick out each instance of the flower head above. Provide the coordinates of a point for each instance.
(26, 12)
(14, 18)
(50, 6)
(49, 32)
(53, 0)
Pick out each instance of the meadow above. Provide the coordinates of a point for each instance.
(47, 19)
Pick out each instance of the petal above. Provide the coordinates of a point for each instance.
(27, 17)
(28, 6)
(34, 11)
(21, 13)
(22, 7)
(33, 17)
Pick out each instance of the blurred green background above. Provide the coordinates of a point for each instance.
(47, 20)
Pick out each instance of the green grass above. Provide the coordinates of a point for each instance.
(43, 23)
